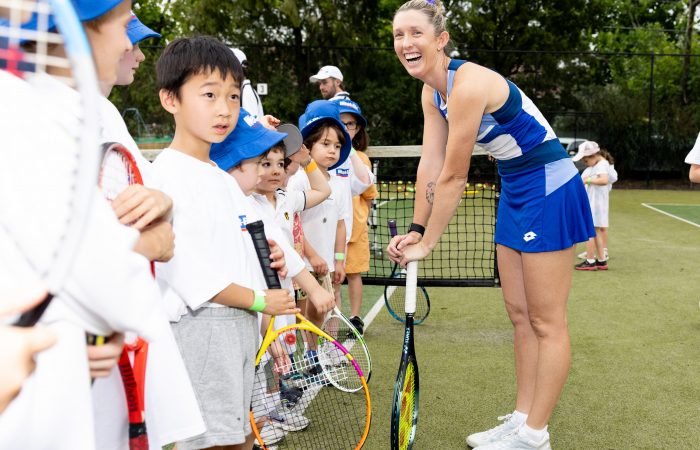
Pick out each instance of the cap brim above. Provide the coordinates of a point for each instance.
(139, 32)
(344, 150)
(293, 141)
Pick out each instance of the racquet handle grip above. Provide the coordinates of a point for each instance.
(392, 227)
(262, 248)
(411, 284)
(31, 317)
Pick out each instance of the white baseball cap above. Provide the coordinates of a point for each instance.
(326, 72)
(588, 148)
(239, 55)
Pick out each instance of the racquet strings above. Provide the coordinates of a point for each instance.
(116, 174)
(340, 329)
(397, 301)
(297, 406)
(407, 409)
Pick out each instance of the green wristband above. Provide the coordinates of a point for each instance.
(352, 152)
(339, 256)
(259, 301)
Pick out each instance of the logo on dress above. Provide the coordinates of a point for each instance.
(530, 235)
(244, 222)
(342, 173)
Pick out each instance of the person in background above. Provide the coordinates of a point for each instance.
(250, 100)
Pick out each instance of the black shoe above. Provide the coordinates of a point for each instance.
(601, 265)
(358, 324)
(585, 265)
(289, 395)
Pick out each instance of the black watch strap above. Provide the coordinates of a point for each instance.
(420, 229)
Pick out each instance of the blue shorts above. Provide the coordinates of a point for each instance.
(543, 209)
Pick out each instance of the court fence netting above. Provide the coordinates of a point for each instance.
(466, 253)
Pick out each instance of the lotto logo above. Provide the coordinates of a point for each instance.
(530, 235)
(244, 222)
(343, 173)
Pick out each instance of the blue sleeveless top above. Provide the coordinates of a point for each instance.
(513, 131)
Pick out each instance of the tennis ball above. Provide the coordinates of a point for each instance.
(479, 185)
(410, 189)
(400, 182)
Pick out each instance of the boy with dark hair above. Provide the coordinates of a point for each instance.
(206, 284)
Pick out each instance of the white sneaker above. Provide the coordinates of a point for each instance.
(516, 441)
(581, 255)
(508, 426)
(270, 434)
(288, 420)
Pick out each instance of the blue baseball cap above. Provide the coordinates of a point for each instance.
(319, 112)
(137, 31)
(248, 140)
(92, 9)
(345, 105)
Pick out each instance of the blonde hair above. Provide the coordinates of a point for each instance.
(431, 9)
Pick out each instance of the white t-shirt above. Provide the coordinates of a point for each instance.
(321, 221)
(346, 173)
(598, 195)
(109, 288)
(250, 101)
(694, 155)
(172, 411)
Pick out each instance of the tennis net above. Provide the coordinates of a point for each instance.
(466, 253)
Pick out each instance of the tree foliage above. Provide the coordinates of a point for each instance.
(586, 63)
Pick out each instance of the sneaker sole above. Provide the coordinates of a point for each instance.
(602, 268)
(589, 269)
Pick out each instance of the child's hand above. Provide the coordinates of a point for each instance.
(319, 265)
(157, 242)
(303, 156)
(278, 301)
(339, 274)
(277, 256)
(138, 206)
(270, 122)
(323, 300)
(102, 358)
(19, 345)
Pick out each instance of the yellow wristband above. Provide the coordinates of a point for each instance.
(339, 256)
(258, 301)
(310, 167)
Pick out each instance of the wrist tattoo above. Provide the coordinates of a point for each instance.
(430, 192)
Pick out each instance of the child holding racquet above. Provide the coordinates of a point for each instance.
(211, 284)
(168, 417)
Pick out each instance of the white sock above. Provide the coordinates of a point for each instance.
(590, 261)
(532, 434)
(518, 417)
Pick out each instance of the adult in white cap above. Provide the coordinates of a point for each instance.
(330, 83)
(250, 100)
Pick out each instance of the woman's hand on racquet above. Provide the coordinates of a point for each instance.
(157, 242)
(277, 256)
(413, 252)
(139, 206)
(398, 243)
(278, 302)
(102, 358)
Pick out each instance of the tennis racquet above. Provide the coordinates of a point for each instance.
(296, 397)
(339, 327)
(404, 407)
(394, 296)
(118, 171)
(50, 175)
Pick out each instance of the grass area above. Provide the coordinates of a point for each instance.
(688, 212)
(635, 376)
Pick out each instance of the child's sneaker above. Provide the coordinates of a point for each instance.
(508, 426)
(289, 421)
(582, 255)
(601, 265)
(359, 325)
(585, 265)
(516, 441)
(289, 395)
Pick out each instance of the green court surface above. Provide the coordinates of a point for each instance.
(635, 337)
(684, 212)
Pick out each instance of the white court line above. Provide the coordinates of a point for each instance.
(671, 215)
(378, 305)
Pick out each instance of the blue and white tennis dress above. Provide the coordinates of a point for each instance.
(543, 205)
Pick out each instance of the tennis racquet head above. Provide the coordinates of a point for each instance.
(404, 408)
(339, 327)
(298, 404)
(47, 176)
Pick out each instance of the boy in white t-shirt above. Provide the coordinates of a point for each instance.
(171, 409)
(211, 285)
(693, 159)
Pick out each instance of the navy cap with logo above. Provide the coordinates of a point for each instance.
(319, 112)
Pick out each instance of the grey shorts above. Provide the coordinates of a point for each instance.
(218, 346)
